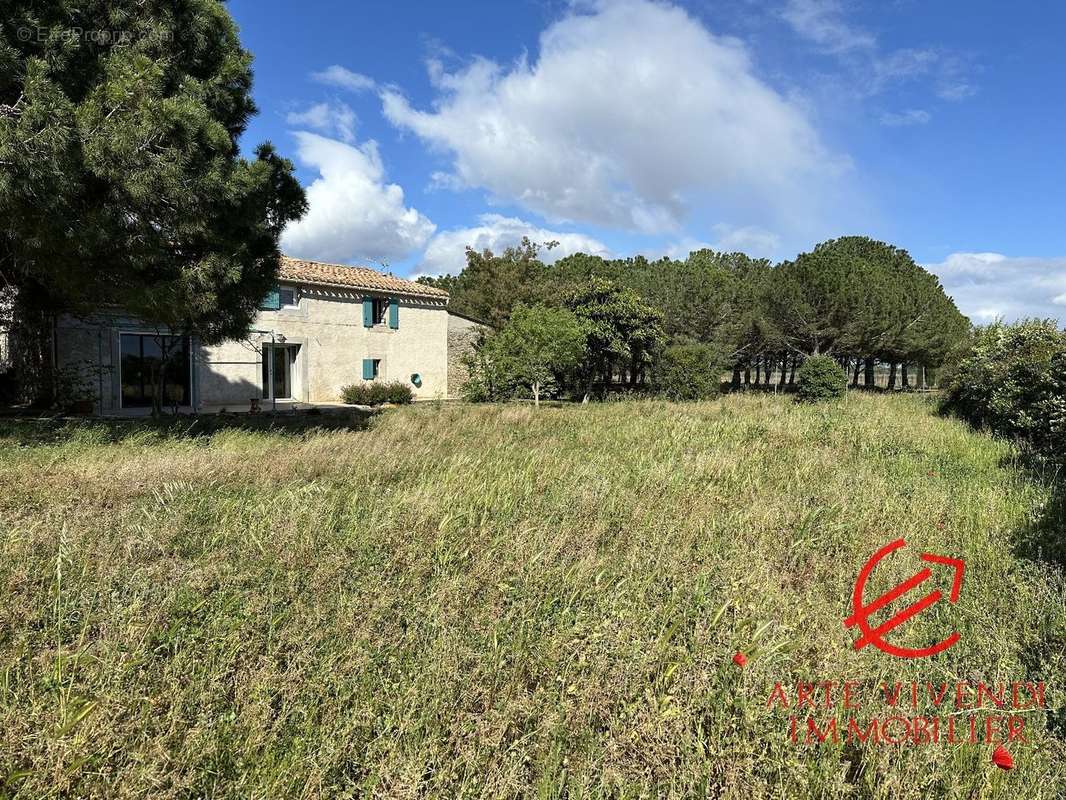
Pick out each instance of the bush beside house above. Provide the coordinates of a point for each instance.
(377, 393)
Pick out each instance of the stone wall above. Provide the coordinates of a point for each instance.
(463, 334)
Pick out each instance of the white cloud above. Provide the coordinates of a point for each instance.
(342, 78)
(870, 68)
(335, 119)
(749, 239)
(354, 215)
(902, 119)
(902, 65)
(956, 91)
(679, 250)
(631, 112)
(446, 252)
(990, 285)
(822, 22)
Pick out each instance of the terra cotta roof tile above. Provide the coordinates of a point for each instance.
(317, 273)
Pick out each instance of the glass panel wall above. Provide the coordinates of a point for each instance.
(145, 359)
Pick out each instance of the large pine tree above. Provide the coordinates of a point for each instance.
(121, 178)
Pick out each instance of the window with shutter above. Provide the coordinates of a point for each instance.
(272, 302)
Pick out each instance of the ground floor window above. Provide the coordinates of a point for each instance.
(277, 371)
(146, 358)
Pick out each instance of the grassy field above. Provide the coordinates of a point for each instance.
(490, 602)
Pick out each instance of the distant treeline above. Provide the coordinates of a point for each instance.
(860, 301)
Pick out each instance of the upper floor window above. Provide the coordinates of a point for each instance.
(380, 311)
(281, 297)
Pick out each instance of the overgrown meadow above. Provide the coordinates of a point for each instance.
(487, 601)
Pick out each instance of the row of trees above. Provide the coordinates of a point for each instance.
(859, 301)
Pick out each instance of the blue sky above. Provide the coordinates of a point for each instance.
(630, 126)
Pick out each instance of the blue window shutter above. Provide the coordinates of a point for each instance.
(368, 312)
(394, 313)
(368, 369)
(272, 302)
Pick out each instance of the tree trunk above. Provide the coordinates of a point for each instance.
(536, 394)
(906, 378)
(736, 375)
(768, 368)
(784, 369)
(855, 373)
(892, 376)
(747, 375)
(870, 377)
(167, 345)
(792, 371)
(758, 371)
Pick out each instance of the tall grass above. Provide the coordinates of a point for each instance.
(494, 602)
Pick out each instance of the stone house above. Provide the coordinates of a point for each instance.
(325, 326)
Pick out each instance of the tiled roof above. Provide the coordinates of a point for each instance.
(315, 272)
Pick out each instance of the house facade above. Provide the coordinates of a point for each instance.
(324, 327)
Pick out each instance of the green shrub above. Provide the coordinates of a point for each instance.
(73, 384)
(377, 393)
(1011, 380)
(688, 372)
(820, 378)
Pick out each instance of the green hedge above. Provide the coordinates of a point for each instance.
(377, 393)
(820, 378)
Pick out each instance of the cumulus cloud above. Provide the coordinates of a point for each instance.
(446, 252)
(343, 78)
(631, 111)
(902, 119)
(354, 215)
(990, 285)
(335, 119)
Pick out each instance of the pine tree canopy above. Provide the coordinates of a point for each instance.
(121, 177)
